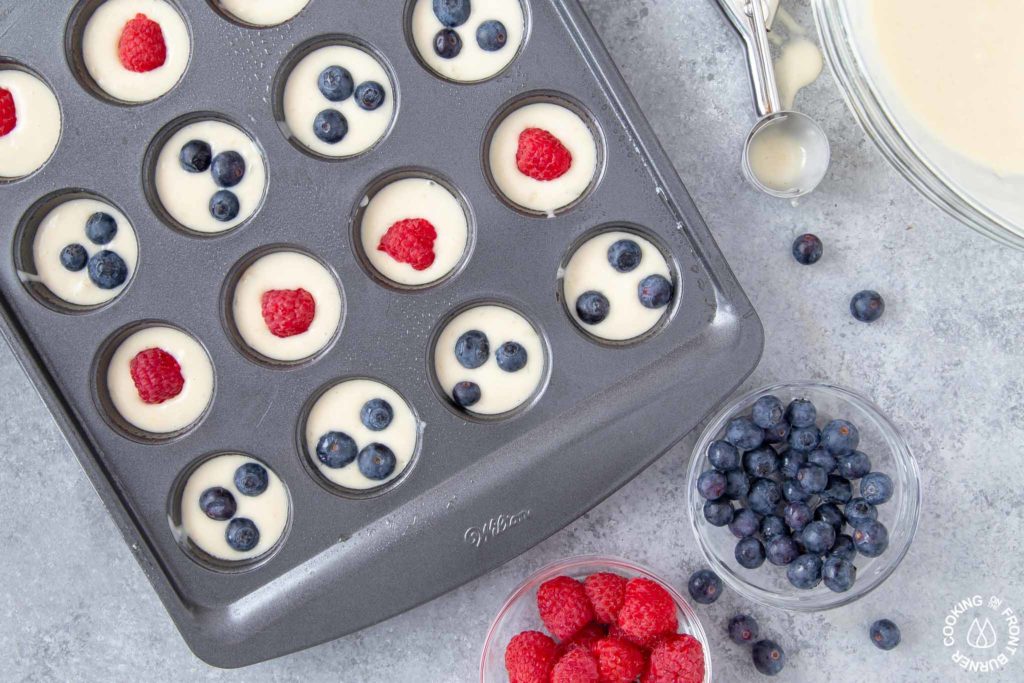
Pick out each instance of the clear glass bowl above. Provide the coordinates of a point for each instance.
(953, 184)
(519, 613)
(889, 453)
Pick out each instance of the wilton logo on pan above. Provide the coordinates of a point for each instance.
(983, 634)
(477, 536)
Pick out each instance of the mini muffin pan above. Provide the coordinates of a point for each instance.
(476, 491)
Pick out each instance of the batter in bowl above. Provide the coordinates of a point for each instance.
(543, 157)
(414, 231)
(30, 122)
(617, 286)
(287, 306)
(361, 434)
(136, 50)
(489, 360)
(233, 508)
(338, 101)
(468, 46)
(160, 380)
(210, 176)
(262, 12)
(85, 251)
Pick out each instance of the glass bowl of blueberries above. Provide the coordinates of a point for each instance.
(803, 496)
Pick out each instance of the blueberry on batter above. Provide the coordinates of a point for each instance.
(74, 257)
(336, 449)
(218, 503)
(377, 414)
(195, 156)
(242, 534)
(592, 307)
(511, 356)
(370, 95)
(224, 206)
(472, 349)
(107, 270)
(228, 168)
(335, 83)
(447, 44)
(452, 13)
(251, 479)
(101, 228)
(377, 461)
(491, 35)
(330, 126)
(655, 291)
(466, 394)
(625, 255)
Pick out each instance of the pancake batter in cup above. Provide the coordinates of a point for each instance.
(30, 123)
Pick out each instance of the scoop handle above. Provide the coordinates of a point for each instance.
(766, 90)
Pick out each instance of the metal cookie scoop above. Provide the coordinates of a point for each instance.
(786, 153)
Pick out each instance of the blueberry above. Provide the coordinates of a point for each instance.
(743, 629)
(870, 537)
(452, 13)
(782, 550)
(723, 456)
(711, 484)
(704, 586)
(805, 571)
(804, 438)
(101, 228)
(491, 35)
(195, 156)
(838, 574)
(843, 547)
(797, 515)
(107, 270)
(777, 433)
(801, 413)
(769, 658)
(331, 126)
(823, 459)
(744, 434)
(807, 249)
(817, 537)
(336, 449)
(472, 349)
(867, 306)
(838, 490)
(764, 497)
(767, 411)
(745, 523)
(377, 461)
(737, 484)
(655, 291)
(854, 466)
(224, 206)
(228, 169)
(812, 478)
(377, 414)
(884, 634)
(251, 479)
(772, 526)
(370, 95)
(511, 356)
(592, 307)
(761, 462)
(335, 83)
(840, 437)
(791, 461)
(466, 394)
(242, 534)
(718, 512)
(218, 503)
(749, 553)
(625, 255)
(793, 492)
(831, 515)
(74, 257)
(447, 44)
(876, 488)
(859, 509)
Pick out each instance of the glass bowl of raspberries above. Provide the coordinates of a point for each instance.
(595, 618)
(803, 496)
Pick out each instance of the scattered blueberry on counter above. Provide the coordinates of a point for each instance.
(884, 634)
(743, 629)
(705, 587)
(796, 498)
(769, 658)
(867, 306)
(808, 249)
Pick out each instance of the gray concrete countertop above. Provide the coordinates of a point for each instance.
(945, 362)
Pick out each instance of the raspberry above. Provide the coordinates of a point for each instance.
(142, 47)
(605, 591)
(288, 312)
(8, 113)
(564, 607)
(648, 611)
(529, 657)
(677, 659)
(618, 661)
(410, 241)
(576, 666)
(541, 155)
(588, 635)
(157, 376)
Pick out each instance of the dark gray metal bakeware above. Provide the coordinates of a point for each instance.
(479, 491)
